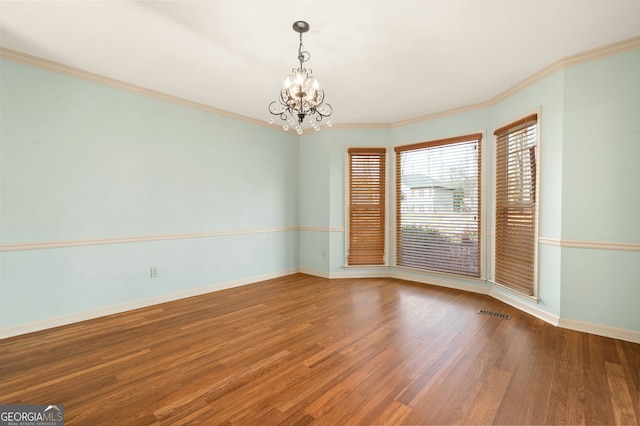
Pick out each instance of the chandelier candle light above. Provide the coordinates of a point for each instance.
(301, 96)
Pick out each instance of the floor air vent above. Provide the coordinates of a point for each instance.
(494, 314)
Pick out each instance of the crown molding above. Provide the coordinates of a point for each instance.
(442, 114)
(362, 126)
(60, 68)
(569, 61)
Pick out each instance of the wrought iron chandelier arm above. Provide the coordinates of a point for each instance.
(324, 111)
(301, 96)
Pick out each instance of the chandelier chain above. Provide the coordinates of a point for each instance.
(303, 55)
(301, 95)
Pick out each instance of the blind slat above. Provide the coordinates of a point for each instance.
(438, 209)
(367, 173)
(515, 232)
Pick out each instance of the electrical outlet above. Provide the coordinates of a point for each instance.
(153, 272)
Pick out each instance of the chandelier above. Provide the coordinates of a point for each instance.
(301, 96)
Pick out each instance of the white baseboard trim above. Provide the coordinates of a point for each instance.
(315, 272)
(383, 272)
(597, 329)
(472, 288)
(525, 307)
(136, 304)
(600, 330)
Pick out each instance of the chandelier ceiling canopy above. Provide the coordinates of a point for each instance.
(301, 96)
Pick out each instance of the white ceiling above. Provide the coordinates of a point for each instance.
(378, 61)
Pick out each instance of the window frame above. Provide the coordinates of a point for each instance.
(480, 136)
(521, 121)
(385, 206)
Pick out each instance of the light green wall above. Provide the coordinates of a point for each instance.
(314, 202)
(82, 161)
(602, 150)
(601, 190)
(546, 98)
(469, 122)
(322, 184)
(589, 118)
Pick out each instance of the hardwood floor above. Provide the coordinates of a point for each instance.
(306, 350)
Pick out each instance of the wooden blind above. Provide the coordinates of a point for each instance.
(516, 204)
(367, 203)
(438, 195)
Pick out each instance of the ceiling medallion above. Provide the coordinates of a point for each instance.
(301, 96)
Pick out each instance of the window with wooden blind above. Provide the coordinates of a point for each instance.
(438, 205)
(516, 205)
(367, 201)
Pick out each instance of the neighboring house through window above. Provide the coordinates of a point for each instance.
(438, 205)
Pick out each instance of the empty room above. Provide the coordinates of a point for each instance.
(320, 212)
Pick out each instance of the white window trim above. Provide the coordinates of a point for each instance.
(483, 209)
(492, 280)
(347, 194)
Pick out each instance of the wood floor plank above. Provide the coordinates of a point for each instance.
(484, 407)
(307, 350)
(623, 407)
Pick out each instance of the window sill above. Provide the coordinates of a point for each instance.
(365, 266)
(533, 298)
